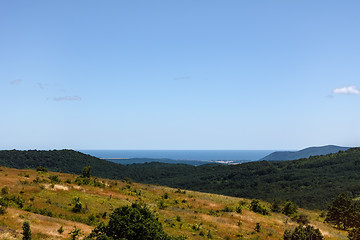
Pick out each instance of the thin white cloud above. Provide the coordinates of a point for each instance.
(16, 81)
(68, 98)
(350, 90)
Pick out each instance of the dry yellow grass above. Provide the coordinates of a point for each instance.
(192, 214)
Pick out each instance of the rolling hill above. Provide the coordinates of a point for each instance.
(304, 153)
(46, 201)
(310, 182)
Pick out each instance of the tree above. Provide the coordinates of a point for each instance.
(354, 234)
(343, 212)
(75, 233)
(255, 206)
(290, 208)
(86, 172)
(26, 231)
(77, 205)
(303, 233)
(302, 219)
(257, 227)
(134, 222)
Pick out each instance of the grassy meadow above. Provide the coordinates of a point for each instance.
(47, 200)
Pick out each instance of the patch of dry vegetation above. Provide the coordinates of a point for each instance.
(48, 204)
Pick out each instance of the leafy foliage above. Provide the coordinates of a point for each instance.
(77, 205)
(75, 233)
(344, 212)
(26, 231)
(289, 208)
(255, 206)
(303, 233)
(354, 234)
(134, 222)
(86, 172)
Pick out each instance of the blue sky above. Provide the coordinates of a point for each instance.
(177, 74)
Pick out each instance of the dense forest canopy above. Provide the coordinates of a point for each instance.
(310, 182)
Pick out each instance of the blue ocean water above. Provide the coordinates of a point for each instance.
(204, 156)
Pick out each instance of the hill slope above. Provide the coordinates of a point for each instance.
(304, 153)
(310, 182)
(48, 205)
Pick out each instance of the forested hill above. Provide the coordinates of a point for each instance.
(304, 153)
(311, 182)
(68, 161)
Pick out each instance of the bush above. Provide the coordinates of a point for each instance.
(77, 205)
(60, 230)
(86, 172)
(3, 205)
(54, 178)
(344, 212)
(26, 231)
(354, 234)
(4, 190)
(256, 207)
(134, 222)
(302, 219)
(41, 169)
(275, 207)
(75, 233)
(303, 233)
(290, 208)
(257, 227)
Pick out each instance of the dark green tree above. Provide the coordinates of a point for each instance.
(275, 207)
(77, 205)
(134, 222)
(255, 206)
(26, 231)
(75, 233)
(341, 211)
(303, 233)
(257, 227)
(86, 172)
(289, 208)
(354, 234)
(302, 219)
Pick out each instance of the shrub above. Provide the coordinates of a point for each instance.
(290, 208)
(86, 172)
(238, 209)
(134, 222)
(54, 178)
(3, 205)
(77, 205)
(302, 219)
(344, 212)
(75, 233)
(257, 227)
(256, 207)
(275, 207)
(41, 169)
(354, 234)
(4, 190)
(303, 233)
(26, 231)
(60, 230)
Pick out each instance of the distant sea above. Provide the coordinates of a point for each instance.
(193, 157)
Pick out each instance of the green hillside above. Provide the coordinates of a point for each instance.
(310, 182)
(304, 153)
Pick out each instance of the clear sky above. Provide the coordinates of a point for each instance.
(179, 74)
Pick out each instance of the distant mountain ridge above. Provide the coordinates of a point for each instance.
(304, 153)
